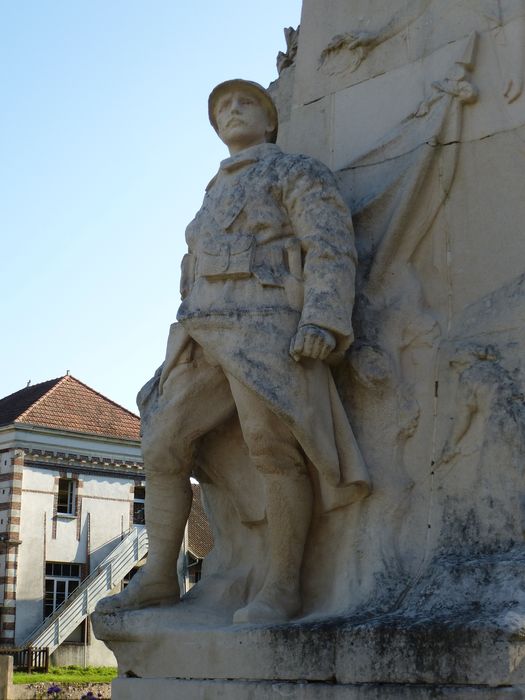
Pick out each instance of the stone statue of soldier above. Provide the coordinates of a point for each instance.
(267, 294)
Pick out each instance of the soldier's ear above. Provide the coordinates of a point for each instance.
(270, 128)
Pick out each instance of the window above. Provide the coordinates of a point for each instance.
(66, 497)
(193, 570)
(138, 505)
(60, 582)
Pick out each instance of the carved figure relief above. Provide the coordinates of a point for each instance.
(267, 290)
(398, 190)
(287, 58)
(482, 452)
(271, 264)
(347, 51)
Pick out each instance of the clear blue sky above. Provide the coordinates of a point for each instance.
(105, 150)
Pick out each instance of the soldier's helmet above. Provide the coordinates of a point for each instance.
(253, 88)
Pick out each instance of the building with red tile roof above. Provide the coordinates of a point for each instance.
(72, 485)
(66, 403)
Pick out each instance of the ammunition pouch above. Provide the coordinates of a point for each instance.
(229, 259)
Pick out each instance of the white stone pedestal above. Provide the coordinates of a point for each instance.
(420, 652)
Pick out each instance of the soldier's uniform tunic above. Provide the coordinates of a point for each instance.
(270, 250)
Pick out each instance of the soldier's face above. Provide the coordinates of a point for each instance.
(242, 121)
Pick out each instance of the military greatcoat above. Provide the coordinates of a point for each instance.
(270, 250)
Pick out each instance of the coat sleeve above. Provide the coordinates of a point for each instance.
(322, 222)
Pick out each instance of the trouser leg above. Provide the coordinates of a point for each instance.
(171, 426)
(288, 511)
(167, 509)
(288, 491)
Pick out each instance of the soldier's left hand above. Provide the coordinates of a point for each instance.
(313, 342)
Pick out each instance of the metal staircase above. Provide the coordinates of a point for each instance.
(67, 617)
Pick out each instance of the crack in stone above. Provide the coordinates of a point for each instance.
(456, 142)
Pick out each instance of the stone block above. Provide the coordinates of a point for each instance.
(180, 689)
(6, 676)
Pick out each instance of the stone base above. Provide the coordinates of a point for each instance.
(381, 659)
(438, 646)
(175, 689)
(385, 650)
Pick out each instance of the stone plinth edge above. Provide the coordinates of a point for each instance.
(175, 689)
(385, 650)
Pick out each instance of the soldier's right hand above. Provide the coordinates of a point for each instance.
(313, 342)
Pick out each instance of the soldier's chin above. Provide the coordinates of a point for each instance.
(241, 139)
(233, 133)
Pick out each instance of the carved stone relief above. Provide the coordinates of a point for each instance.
(286, 59)
(419, 109)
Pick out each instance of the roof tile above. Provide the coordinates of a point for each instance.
(68, 404)
(200, 538)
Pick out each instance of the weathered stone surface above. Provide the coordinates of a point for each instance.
(6, 675)
(267, 292)
(460, 641)
(427, 141)
(387, 36)
(137, 689)
(419, 109)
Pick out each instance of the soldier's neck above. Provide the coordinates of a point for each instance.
(236, 148)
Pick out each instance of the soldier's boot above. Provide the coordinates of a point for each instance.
(289, 512)
(167, 508)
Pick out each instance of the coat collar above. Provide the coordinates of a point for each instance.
(249, 155)
(246, 157)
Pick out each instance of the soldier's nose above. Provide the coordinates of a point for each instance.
(236, 105)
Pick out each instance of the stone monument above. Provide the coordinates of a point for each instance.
(367, 498)
(267, 289)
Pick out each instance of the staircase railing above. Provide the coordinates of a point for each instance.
(67, 617)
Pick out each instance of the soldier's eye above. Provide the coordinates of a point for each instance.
(223, 105)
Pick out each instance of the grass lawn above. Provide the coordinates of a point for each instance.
(68, 674)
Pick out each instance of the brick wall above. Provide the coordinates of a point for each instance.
(11, 473)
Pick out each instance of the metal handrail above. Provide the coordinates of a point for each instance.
(81, 603)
